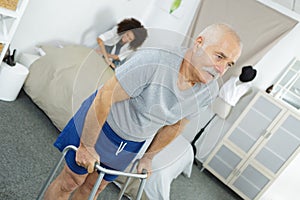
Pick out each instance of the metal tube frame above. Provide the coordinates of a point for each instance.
(102, 172)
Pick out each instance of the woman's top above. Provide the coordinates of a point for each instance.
(113, 44)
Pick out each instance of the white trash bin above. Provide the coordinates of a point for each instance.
(11, 80)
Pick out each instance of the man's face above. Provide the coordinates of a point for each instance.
(212, 60)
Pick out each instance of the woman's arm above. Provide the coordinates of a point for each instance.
(105, 54)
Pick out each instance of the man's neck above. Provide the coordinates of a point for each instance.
(183, 81)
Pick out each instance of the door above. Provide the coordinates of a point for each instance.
(279, 147)
(249, 181)
(261, 116)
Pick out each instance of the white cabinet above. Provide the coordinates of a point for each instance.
(257, 147)
(9, 21)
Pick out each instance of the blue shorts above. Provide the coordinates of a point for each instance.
(115, 152)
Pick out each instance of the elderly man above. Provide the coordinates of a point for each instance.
(154, 94)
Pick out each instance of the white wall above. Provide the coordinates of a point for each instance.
(79, 22)
(276, 60)
(168, 29)
(71, 21)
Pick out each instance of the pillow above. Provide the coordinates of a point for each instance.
(27, 59)
(42, 49)
(46, 49)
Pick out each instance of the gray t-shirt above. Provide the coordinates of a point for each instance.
(150, 79)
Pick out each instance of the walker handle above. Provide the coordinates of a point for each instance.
(143, 175)
(110, 171)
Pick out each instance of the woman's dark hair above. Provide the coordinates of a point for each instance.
(140, 33)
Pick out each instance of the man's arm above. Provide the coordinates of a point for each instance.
(110, 93)
(163, 137)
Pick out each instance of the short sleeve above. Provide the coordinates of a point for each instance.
(108, 35)
(137, 73)
(196, 114)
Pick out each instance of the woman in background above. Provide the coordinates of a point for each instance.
(117, 43)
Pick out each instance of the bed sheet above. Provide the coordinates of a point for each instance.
(175, 159)
(59, 81)
(167, 165)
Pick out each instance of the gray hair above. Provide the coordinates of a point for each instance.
(212, 33)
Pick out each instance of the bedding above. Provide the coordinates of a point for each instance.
(60, 80)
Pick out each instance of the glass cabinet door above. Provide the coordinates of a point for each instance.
(250, 182)
(284, 140)
(254, 124)
(244, 136)
(224, 162)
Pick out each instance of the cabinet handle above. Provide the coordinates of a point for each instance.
(234, 172)
(267, 135)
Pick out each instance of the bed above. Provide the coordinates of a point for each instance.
(62, 78)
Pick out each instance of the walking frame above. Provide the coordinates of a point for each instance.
(102, 171)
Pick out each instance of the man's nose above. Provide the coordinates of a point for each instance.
(221, 68)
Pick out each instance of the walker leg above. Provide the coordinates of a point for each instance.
(96, 186)
(202, 169)
(141, 187)
(49, 179)
(127, 180)
(124, 188)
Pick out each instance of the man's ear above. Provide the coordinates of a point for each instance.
(199, 41)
